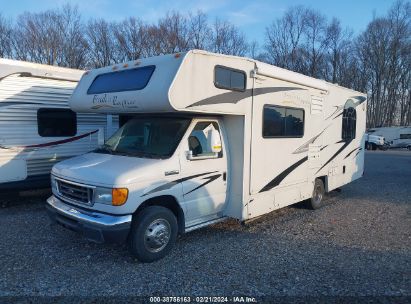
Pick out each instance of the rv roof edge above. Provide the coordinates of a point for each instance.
(9, 67)
(268, 70)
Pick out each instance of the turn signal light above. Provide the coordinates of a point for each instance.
(119, 196)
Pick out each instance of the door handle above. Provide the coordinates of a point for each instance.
(224, 176)
(172, 172)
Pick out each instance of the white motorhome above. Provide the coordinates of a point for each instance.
(395, 137)
(37, 127)
(209, 137)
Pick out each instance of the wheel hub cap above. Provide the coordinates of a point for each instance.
(157, 235)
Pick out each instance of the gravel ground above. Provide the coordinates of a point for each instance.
(357, 245)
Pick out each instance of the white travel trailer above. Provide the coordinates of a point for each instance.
(395, 137)
(209, 137)
(37, 128)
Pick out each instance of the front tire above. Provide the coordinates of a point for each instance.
(317, 199)
(153, 234)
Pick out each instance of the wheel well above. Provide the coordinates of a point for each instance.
(169, 202)
(324, 180)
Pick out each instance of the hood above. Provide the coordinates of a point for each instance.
(112, 170)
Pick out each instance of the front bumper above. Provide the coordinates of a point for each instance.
(94, 226)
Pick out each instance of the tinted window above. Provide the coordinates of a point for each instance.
(274, 122)
(56, 122)
(230, 79)
(127, 80)
(294, 125)
(283, 122)
(349, 122)
(405, 136)
(147, 137)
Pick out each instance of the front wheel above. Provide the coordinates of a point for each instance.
(316, 201)
(153, 234)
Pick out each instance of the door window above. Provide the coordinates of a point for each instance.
(199, 140)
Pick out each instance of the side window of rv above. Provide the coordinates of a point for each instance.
(230, 79)
(198, 141)
(349, 122)
(282, 122)
(119, 81)
(56, 122)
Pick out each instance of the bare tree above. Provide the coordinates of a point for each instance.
(200, 32)
(227, 39)
(74, 45)
(315, 44)
(100, 40)
(37, 38)
(173, 33)
(284, 37)
(5, 37)
(385, 51)
(339, 52)
(131, 39)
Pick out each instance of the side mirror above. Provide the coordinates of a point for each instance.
(189, 155)
(214, 141)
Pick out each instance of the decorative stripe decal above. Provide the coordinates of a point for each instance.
(358, 152)
(209, 180)
(175, 182)
(336, 154)
(352, 152)
(52, 143)
(279, 178)
(234, 96)
(338, 115)
(304, 147)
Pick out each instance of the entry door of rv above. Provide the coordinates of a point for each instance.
(278, 131)
(204, 174)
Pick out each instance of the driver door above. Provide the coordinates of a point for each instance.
(204, 174)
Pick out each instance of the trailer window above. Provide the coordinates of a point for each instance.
(282, 122)
(230, 79)
(56, 122)
(405, 136)
(349, 122)
(127, 80)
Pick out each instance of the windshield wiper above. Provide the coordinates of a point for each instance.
(146, 154)
(104, 148)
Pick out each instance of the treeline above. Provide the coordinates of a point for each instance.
(377, 61)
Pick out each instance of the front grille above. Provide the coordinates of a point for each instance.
(75, 192)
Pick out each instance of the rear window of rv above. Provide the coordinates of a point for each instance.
(230, 79)
(127, 80)
(282, 122)
(56, 122)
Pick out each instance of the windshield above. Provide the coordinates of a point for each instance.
(149, 137)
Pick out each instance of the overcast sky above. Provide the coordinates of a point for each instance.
(250, 16)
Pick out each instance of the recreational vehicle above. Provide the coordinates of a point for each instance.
(37, 127)
(395, 137)
(207, 137)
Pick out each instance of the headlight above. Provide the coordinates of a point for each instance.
(54, 186)
(111, 196)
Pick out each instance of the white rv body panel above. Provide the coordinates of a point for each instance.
(255, 174)
(26, 157)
